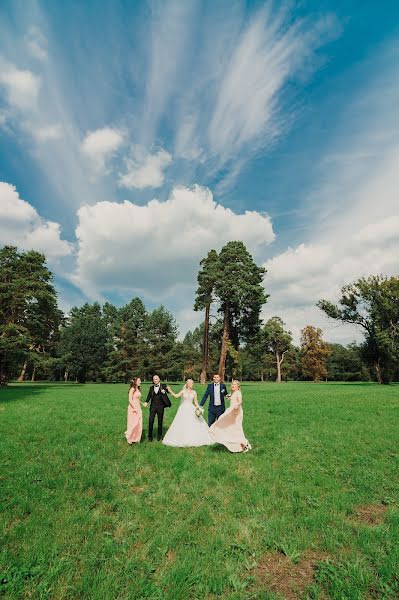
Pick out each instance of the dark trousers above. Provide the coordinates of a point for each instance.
(214, 413)
(155, 410)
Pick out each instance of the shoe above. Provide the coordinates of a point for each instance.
(247, 447)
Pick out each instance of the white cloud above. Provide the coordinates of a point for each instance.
(48, 132)
(22, 226)
(21, 86)
(381, 232)
(234, 105)
(352, 210)
(36, 43)
(21, 91)
(168, 41)
(145, 170)
(299, 277)
(268, 53)
(100, 145)
(156, 249)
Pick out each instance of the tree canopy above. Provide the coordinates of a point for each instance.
(373, 304)
(29, 315)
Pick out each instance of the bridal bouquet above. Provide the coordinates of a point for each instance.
(199, 411)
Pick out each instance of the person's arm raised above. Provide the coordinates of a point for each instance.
(170, 391)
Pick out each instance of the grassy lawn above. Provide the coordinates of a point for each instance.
(312, 510)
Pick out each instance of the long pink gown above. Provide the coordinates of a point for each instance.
(227, 430)
(134, 418)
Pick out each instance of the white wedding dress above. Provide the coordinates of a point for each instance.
(186, 428)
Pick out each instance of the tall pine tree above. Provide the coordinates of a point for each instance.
(207, 278)
(241, 295)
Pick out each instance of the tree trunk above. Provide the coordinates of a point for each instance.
(206, 346)
(3, 378)
(378, 371)
(66, 374)
(262, 375)
(279, 362)
(33, 374)
(23, 371)
(225, 342)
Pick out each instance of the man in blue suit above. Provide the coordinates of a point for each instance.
(217, 392)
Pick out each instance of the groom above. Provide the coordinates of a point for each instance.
(217, 392)
(159, 400)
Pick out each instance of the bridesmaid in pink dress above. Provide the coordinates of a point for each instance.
(227, 430)
(134, 415)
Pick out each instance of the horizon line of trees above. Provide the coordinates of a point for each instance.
(111, 344)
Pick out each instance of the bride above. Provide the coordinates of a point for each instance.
(187, 429)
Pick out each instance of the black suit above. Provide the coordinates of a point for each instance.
(158, 402)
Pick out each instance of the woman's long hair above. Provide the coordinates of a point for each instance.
(133, 384)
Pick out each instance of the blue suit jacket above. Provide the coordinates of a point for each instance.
(210, 392)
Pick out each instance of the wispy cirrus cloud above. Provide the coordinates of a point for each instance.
(204, 86)
(234, 106)
(352, 207)
(36, 42)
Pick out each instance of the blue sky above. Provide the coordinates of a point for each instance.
(135, 136)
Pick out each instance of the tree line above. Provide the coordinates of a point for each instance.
(111, 344)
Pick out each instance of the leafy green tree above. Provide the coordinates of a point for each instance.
(314, 353)
(276, 340)
(191, 350)
(127, 329)
(293, 364)
(241, 295)
(344, 363)
(160, 336)
(85, 342)
(29, 316)
(373, 304)
(207, 278)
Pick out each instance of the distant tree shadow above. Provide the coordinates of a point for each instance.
(15, 392)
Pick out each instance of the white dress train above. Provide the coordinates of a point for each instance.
(186, 428)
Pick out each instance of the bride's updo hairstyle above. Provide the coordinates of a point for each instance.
(237, 383)
(187, 380)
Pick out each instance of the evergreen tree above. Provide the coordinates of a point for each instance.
(29, 316)
(207, 278)
(241, 295)
(85, 342)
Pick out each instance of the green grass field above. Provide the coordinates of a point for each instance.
(311, 512)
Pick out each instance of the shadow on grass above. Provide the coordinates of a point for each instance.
(219, 448)
(357, 383)
(21, 391)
